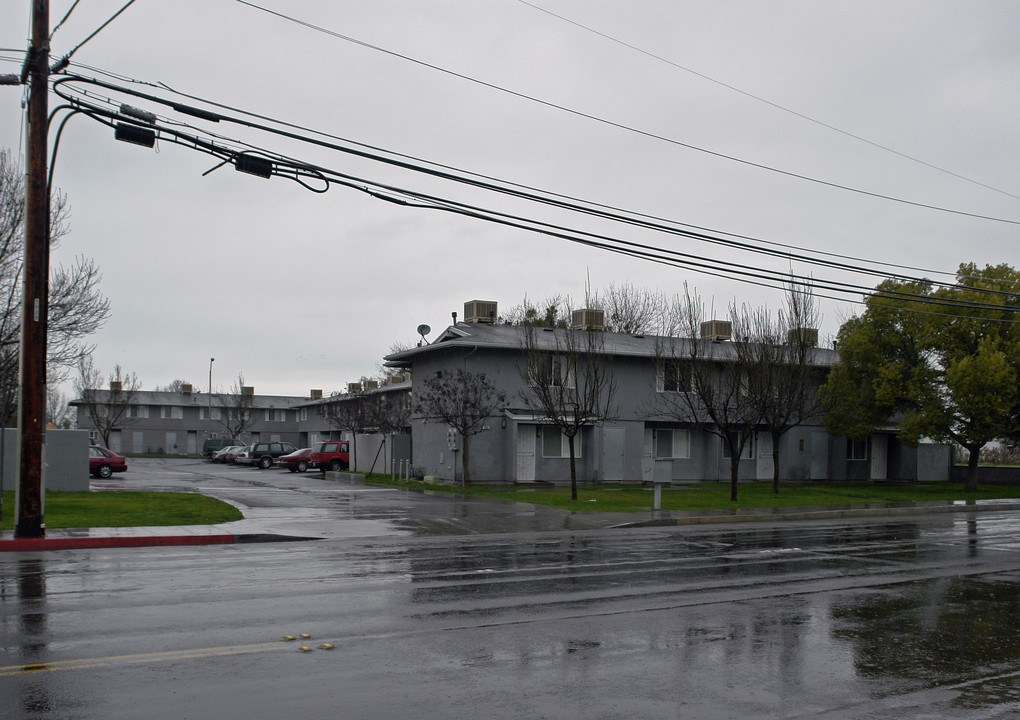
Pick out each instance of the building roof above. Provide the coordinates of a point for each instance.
(160, 397)
(486, 335)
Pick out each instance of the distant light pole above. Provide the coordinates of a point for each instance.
(209, 418)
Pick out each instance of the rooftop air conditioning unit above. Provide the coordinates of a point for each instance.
(480, 311)
(395, 379)
(315, 394)
(354, 387)
(588, 319)
(371, 384)
(116, 386)
(247, 390)
(186, 388)
(716, 330)
(803, 336)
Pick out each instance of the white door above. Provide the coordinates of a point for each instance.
(525, 453)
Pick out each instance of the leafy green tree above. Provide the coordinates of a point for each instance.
(942, 361)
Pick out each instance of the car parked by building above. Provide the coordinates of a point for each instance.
(104, 463)
(263, 454)
(296, 461)
(332, 455)
(225, 455)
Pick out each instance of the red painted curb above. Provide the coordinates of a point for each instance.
(29, 544)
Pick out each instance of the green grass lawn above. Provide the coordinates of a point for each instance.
(125, 509)
(716, 496)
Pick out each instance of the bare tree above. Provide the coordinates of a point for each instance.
(784, 353)
(108, 408)
(352, 412)
(390, 413)
(712, 383)
(175, 386)
(463, 400)
(76, 307)
(236, 409)
(568, 382)
(632, 310)
(58, 413)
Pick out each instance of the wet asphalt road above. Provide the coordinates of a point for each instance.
(913, 619)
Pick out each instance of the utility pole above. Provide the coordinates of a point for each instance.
(36, 286)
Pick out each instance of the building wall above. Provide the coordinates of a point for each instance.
(65, 460)
(501, 455)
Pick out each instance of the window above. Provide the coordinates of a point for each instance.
(172, 412)
(672, 443)
(303, 414)
(553, 371)
(856, 449)
(555, 444)
(749, 447)
(673, 376)
(138, 411)
(276, 415)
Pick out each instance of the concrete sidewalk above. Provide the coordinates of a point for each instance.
(270, 527)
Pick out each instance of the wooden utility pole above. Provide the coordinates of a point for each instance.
(36, 286)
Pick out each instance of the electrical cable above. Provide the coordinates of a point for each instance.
(62, 63)
(760, 99)
(296, 169)
(629, 128)
(518, 185)
(683, 233)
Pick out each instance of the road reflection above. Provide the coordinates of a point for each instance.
(31, 592)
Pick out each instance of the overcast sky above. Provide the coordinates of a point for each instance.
(602, 101)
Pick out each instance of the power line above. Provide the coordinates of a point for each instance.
(628, 128)
(297, 170)
(770, 103)
(62, 63)
(489, 183)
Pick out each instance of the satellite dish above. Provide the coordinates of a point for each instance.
(424, 330)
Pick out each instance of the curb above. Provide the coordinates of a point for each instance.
(818, 515)
(87, 543)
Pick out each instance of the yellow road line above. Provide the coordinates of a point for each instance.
(29, 668)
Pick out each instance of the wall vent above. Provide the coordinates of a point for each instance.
(807, 337)
(588, 319)
(480, 311)
(716, 330)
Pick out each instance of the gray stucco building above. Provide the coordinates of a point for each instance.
(636, 445)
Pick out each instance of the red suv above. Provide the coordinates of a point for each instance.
(331, 455)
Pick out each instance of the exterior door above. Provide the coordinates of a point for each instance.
(612, 454)
(525, 453)
(879, 457)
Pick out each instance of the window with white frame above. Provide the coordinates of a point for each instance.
(172, 412)
(303, 414)
(555, 444)
(138, 411)
(673, 376)
(749, 447)
(275, 415)
(856, 449)
(672, 443)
